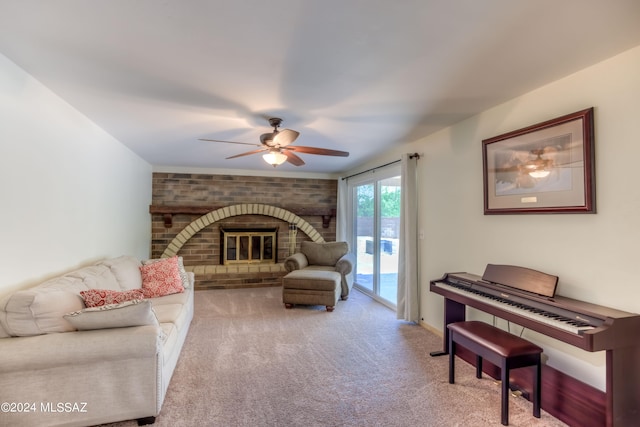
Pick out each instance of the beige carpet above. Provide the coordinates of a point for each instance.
(248, 361)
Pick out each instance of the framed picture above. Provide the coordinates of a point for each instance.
(544, 168)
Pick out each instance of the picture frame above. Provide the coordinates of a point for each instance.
(548, 167)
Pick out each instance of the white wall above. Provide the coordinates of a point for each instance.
(594, 256)
(70, 193)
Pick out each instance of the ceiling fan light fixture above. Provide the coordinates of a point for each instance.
(274, 158)
(539, 167)
(542, 173)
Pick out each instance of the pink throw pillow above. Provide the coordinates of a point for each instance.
(100, 297)
(161, 278)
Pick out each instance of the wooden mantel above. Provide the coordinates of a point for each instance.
(168, 211)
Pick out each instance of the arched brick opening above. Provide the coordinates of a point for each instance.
(243, 209)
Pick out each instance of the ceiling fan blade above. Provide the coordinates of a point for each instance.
(285, 137)
(576, 164)
(228, 142)
(267, 139)
(292, 158)
(319, 151)
(248, 153)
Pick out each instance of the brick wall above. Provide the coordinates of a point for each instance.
(202, 251)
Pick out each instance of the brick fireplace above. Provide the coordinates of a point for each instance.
(189, 211)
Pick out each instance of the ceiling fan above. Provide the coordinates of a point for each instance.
(537, 163)
(278, 149)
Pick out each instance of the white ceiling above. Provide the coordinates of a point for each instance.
(352, 75)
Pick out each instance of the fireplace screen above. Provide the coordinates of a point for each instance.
(249, 246)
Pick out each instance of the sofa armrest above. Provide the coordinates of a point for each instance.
(297, 261)
(345, 264)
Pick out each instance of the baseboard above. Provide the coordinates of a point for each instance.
(431, 329)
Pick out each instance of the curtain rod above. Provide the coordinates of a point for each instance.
(411, 156)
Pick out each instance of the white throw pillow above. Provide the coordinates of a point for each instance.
(130, 313)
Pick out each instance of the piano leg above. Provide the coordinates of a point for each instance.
(453, 312)
(623, 393)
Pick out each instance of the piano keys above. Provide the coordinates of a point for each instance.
(567, 321)
(528, 298)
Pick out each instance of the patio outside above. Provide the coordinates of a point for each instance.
(388, 285)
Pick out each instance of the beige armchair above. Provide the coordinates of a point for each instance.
(330, 256)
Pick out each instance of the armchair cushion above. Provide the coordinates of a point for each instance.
(324, 253)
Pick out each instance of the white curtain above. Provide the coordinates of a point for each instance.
(341, 211)
(408, 306)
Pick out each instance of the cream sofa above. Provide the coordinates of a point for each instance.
(52, 374)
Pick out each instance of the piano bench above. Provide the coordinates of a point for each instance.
(503, 349)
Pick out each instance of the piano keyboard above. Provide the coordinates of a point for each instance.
(521, 309)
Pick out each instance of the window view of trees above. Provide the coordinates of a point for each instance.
(389, 200)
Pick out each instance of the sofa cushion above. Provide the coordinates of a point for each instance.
(97, 277)
(168, 313)
(126, 270)
(40, 310)
(3, 332)
(179, 298)
(324, 253)
(61, 283)
(161, 278)
(101, 297)
(168, 332)
(126, 314)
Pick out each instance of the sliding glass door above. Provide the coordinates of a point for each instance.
(376, 219)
